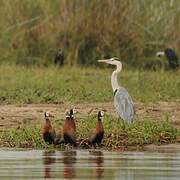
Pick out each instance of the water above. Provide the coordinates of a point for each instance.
(89, 164)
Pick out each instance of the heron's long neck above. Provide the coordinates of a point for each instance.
(114, 81)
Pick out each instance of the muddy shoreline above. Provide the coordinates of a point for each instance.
(15, 115)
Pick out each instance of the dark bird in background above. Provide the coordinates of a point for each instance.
(59, 58)
(171, 56)
(48, 131)
(98, 134)
(69, 128)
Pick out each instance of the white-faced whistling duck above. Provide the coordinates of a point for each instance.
(69, 128)
(48, 132)
(98, 133)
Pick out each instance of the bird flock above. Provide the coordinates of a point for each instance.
(122, 101)
(68, 134)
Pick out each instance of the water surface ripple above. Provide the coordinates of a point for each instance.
(89, 164)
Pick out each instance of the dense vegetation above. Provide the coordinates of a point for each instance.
(31, 31)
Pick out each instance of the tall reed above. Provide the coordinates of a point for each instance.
(31, 31)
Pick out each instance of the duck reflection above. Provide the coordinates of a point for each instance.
(69, 159)
(48, 159)
(98, 158)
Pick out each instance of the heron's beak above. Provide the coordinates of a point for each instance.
(104, 61)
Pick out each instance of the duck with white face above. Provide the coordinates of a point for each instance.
(97, 135)
(69, 128)
(48, 132)
(72, 112)
(122, 100)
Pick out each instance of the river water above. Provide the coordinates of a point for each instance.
(89, 164)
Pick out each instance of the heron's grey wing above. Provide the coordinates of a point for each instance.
(124, 104)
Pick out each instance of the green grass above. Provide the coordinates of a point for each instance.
(20, 84)
(23, 137)
(117, 134)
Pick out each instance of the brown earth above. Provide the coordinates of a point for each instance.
(15, 115)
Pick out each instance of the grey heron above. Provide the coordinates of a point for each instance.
(171, 56)
(122, 100)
